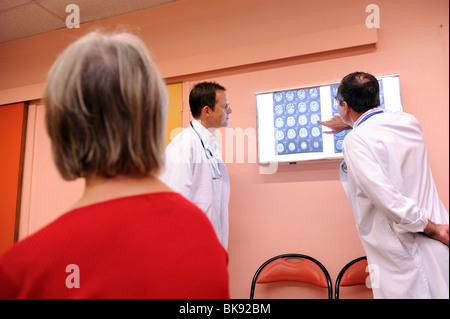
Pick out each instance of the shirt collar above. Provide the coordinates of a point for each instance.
(361, 118)
(208, 137)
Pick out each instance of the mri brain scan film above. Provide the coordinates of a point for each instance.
(295, 119)
(287, 121)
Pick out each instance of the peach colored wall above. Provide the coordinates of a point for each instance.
(301, 208)
(45, 195)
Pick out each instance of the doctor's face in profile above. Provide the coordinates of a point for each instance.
(220, 114)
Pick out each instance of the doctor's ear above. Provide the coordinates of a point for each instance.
(206, 110)
(345, 107)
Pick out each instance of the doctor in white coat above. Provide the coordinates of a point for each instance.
(194, 165)
(402, 223)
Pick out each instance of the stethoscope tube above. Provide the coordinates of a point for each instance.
(211, 157)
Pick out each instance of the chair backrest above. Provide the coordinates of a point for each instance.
(307, 270)
(352, 274)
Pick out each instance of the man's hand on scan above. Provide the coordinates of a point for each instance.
(335, 125)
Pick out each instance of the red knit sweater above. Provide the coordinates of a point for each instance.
(155, 245)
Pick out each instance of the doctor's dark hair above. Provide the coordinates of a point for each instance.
(106, 108)
(360, 90)
(203, 94)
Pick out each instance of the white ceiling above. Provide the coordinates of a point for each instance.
(23, 18)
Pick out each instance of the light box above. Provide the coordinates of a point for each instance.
(287, 127)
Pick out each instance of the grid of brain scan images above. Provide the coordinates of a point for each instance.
(295, 119)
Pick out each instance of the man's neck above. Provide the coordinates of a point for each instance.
(206, 125)
(354, 116)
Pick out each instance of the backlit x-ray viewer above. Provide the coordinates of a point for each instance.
(287, 127)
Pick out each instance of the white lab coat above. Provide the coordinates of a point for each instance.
(188, 171)
(392, 193)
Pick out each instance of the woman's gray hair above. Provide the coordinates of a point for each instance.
(106, 107)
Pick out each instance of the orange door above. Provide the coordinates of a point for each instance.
(11, 132)
(174, 114)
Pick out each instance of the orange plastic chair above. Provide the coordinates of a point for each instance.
(352, 274)
(278, 268)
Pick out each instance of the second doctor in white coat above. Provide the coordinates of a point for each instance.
(194, 165)
(401, 221)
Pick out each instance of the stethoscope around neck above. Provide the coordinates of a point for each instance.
(209, 156)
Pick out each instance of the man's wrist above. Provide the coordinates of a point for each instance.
(430, 229)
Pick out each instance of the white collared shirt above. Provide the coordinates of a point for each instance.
(190, 171)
